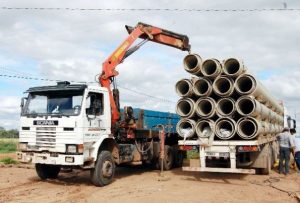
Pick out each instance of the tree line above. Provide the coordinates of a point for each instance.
(13, 133)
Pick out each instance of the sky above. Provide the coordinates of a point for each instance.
(71, 45)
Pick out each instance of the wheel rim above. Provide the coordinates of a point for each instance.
(107, 169)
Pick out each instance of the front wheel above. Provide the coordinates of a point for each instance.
(45, 171)
(104, 170)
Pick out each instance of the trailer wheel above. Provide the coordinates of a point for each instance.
(45, 171)
(104, 170)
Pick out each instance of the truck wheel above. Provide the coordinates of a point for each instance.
(104, 170)
(45, 171)
(178, 159)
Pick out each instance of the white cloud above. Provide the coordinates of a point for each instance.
(71, 45)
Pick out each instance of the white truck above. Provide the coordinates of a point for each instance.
(233, 156)
(80, 125)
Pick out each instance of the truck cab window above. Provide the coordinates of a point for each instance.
(94, 104)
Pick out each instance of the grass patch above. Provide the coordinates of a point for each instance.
(9, 160)
(8, 146)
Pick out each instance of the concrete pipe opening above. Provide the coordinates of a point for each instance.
(192, 63)
(186, 128)
(204, 128)
(185, 108)
(247, 129)
(245, 106)
(233, 67)
(184, 88)
(202, 87)
(245, 84)
(225, 129)
(205, 107)
(223, 86)
(211, 68)
(225, 107)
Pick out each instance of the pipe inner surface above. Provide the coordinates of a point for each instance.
(245, 84)
(204, 128)
(248, 128)
(226, 106)
(246, 106)
(186, 129)
(201, 86)
(232, 66)
(205, 107)
(184, 108)
(183, 87)
(209, 67)
(223, 85)
(191, 62)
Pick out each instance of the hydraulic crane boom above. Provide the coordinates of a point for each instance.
(148, 33)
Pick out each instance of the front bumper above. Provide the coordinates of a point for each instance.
(47, 158)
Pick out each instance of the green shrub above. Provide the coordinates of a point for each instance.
(9, 160)
(7, 147)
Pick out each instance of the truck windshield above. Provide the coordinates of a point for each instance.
(51, 103)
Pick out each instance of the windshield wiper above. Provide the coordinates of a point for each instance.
(59, 115)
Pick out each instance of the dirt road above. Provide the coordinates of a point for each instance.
(137, 184)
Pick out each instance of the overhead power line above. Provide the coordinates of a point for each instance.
(51, 80)
(152, 9)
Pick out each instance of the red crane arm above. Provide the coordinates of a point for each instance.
(143, 31)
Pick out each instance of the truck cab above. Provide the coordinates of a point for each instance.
(69, 125)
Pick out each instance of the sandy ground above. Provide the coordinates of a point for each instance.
(6, 155)
(137, 184)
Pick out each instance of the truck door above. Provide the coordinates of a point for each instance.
(95, 122)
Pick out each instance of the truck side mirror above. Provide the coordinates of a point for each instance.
(23, 103)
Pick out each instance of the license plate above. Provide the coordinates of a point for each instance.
(210, 154)
(224, 154)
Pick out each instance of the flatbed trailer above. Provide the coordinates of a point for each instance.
(232, 156)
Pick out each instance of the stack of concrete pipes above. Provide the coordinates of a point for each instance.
(224, 100)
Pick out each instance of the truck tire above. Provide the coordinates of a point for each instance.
(45, 171)
(178, 158)
(104, 170)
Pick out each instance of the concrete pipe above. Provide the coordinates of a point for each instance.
(225, 107)
(272, 128)
(186, 128)
(205, 128)
(205, 107)
(249, 106)
(184, 88)
(185, 108)
(211, 68)
(192, 63)
(246, 84)
(202, 87)
(223, 86)
(225, 128)
(249, 128)
(233, 67)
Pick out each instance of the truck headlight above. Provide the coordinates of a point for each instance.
(71, 148)
(22, 146)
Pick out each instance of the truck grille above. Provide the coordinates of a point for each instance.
(46, 137)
